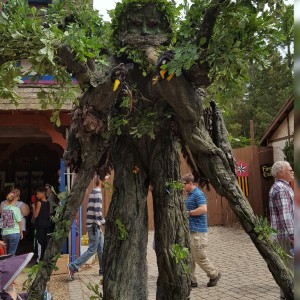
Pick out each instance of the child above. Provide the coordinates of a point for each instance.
(41, 214)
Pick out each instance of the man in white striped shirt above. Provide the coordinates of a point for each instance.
(94, 221)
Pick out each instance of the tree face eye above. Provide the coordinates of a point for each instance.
(152, 23)
(137, 23)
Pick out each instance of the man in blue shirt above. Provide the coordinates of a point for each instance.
(197, 209)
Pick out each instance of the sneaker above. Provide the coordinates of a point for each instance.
(194, 284)
(213, 281)
(71, 272)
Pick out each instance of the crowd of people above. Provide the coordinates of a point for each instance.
(15, 214)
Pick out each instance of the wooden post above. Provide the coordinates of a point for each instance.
(252, 133)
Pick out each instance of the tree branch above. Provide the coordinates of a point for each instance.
(198, 73)
(80, 70)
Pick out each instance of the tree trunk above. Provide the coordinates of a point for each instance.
(125, 263)
(92, 153)
(171, 224)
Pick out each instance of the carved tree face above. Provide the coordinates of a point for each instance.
(145, 21)
(145, 26)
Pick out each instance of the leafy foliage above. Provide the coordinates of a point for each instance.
(180, 254)
(288, 151)
(37, 38)
(174, 185)
(10, 77)
(263, 95)
(32, 272)
(239, 142)
(263, 229)
(145, 124)
(266, 232)
(123, 234)
(96, 290)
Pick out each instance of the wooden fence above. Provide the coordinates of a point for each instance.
(219, 211)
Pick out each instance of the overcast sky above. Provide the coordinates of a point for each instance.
(104, 5)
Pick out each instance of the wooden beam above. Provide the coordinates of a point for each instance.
(252, 133)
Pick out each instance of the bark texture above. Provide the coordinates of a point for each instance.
(170, 220)
(125, 263)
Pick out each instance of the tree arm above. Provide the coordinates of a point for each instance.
(198, 73)
(208, 23)
(80, 70)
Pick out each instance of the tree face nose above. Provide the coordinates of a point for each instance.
(145, 30)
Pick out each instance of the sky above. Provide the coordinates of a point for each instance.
(104, 5)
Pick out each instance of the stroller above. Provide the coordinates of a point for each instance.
(10, 268)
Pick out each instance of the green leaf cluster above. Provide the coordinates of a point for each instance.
(180, 254)
(123, 234)
(96, 290)
(263, 229)
(145, 124)
(239, 142)
(185, 56)
(242, 33)
(174, 185)
(288, 151)
(37, 34)
(10, 78)
(115, 125)
(266, 232)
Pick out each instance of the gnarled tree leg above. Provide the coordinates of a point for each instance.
(129, 206)
(171, 225)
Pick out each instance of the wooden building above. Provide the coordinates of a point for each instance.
(281, 130)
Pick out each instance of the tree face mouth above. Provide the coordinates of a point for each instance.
(148, 40)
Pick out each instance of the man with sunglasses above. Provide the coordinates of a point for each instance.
(197, 209)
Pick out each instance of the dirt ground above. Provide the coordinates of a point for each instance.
(58, 285)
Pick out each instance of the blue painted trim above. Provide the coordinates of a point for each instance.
(73, 241)
(44, 77)
(62, 188)
(80, 228)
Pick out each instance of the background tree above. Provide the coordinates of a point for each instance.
(264, 94)
(264, 87)
(114, 126)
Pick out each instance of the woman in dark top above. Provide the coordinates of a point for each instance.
(41, 214)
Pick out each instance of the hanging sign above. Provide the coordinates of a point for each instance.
(266, 170)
